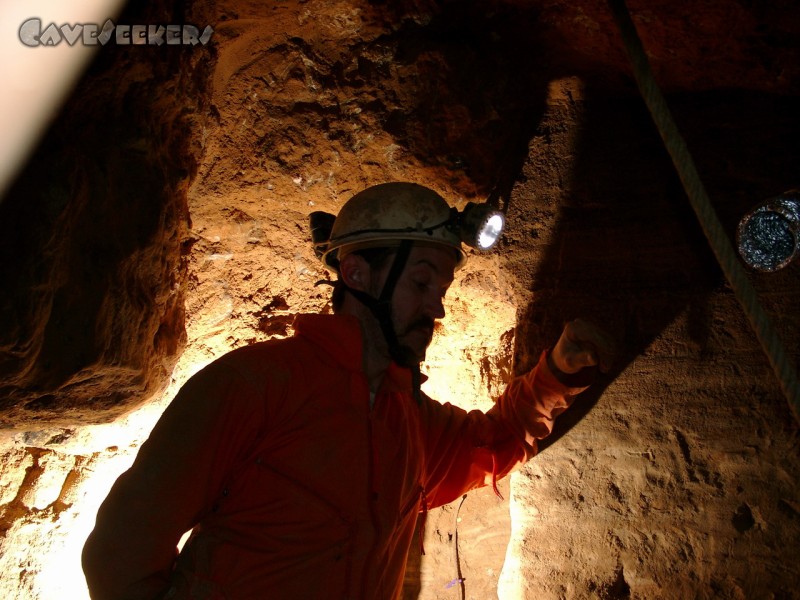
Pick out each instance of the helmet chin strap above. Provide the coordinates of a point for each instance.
(381, 308)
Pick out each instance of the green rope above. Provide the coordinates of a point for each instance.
(719, 241)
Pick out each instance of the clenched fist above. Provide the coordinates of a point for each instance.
(582, 344)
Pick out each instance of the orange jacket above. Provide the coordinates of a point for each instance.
(295, 488)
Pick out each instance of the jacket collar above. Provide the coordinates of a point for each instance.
(339, 337)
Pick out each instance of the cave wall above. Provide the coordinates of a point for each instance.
(162, 223)
(94, 243)
(677, 476)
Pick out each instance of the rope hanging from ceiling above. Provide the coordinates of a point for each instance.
(709, 221)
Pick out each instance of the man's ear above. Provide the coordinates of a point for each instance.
(354, 271)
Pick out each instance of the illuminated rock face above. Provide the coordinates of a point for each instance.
(163, 223)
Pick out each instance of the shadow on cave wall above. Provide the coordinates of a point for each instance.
(628, 251)
(481, 99)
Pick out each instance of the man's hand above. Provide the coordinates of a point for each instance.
(582, 344)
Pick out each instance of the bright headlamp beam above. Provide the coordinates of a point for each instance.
(481, 226)
(491, 230)
(37, 81)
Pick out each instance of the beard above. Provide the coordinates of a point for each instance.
(412, 339)
(410, 352)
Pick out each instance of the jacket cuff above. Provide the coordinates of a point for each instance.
(580, 380)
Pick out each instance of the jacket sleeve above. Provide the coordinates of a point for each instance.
(177, 476)
(466, 450)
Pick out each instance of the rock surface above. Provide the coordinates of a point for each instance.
(162, 223)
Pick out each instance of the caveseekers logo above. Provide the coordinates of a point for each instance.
(90, 34)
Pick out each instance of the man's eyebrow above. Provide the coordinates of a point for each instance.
(434, 268)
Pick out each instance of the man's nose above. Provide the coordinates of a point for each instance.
(436, 307)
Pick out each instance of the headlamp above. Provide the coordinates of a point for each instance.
(480, 225)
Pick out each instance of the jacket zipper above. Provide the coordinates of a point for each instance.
(371, 499)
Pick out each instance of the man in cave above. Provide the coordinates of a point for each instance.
(302, 465)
